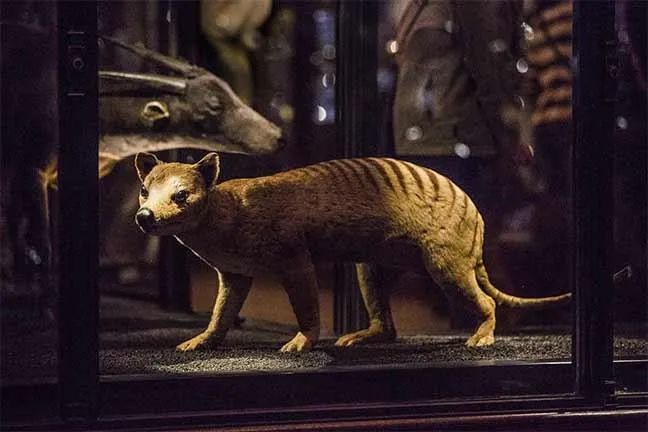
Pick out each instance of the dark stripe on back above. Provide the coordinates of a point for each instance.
(434, 179)
(466, 204)
(383, 172)
(331, 170)
(317, 168)
(454, 193)
(342, 170)
(398, 170)
(415, 173)
(366, 173)
(351, 167)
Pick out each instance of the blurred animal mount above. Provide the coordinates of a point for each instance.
(193, 109)
(370, 211)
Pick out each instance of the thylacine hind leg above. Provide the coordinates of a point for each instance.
(375, 284)
(458, 280)
(466, 290)
(484, 306)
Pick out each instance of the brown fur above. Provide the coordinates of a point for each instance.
(380, 211)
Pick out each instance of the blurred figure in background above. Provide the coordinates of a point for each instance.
(547, 90)
(231, 29)
(457, 78)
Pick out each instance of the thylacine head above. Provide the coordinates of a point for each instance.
(174, 196)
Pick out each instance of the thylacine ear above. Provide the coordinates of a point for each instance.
(209, 168)
(144, 163)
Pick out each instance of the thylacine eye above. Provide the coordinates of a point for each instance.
(144, 192)
(180, 197)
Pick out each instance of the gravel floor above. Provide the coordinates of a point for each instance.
(138, 338)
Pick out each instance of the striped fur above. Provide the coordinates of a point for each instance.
(549, 58)
(369, 211)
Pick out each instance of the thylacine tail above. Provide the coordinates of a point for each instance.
(513, 301)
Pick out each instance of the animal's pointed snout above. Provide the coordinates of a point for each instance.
(145, 219)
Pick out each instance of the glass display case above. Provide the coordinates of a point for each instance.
(369, 214)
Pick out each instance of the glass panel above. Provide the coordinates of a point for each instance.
(28, 210)
(631, 302)
(475, 105)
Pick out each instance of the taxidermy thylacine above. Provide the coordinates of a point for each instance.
(370, 211)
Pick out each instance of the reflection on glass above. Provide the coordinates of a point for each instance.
(631, 295)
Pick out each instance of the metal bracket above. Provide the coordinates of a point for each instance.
(78, 79)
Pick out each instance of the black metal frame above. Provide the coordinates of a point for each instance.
(174, 280)
(322, 396)
(356, 120)
(593, 91)
(78, 200)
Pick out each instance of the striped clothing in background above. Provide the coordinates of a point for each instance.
(549, 54)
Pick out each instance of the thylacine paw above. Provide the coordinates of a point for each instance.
(197, 342)
(300, 343)
(370, 335)
(480, 340)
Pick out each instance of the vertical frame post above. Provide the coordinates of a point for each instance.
(78, 200)
(356, 119)
(174, 280)
(593, 103)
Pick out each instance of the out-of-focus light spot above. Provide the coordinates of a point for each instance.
(328, 80)
(316, 59)
(529, 34)
(622, 122)
(287, 113)
(385, 79)
(522, 66)
(448, 26)
(321, 113)
(392, 46)
(168, 15)
(497, 46)
(34, 256)
(462, 150)
(414, 133)
(328, 52)
(521, 103)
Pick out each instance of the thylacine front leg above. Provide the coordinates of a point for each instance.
(300, 282)
(232, 291)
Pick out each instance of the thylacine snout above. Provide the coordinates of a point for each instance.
(145, 219)
(173, 196)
